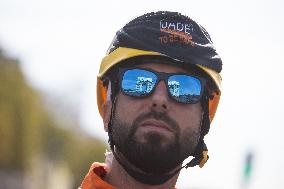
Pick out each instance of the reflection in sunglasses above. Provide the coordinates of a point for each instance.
(181, 87)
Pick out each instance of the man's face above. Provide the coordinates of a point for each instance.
(155, 133)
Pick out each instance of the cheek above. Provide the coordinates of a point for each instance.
(127, 108)
(189, 140)
(189, 118)
(189, 121)
(190, 125)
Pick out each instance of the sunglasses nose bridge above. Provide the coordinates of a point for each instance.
(162, 78)
(160, 96)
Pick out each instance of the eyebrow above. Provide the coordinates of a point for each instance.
(193, 72)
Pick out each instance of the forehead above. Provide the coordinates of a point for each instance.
(160, 67)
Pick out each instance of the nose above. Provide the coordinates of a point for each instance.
(160, 98)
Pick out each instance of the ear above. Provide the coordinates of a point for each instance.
(106, 113)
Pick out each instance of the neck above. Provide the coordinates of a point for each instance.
(118, 177)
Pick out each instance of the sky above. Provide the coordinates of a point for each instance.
(61, 43)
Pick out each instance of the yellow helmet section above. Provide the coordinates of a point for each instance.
(213, 103)
(215, 76)
(120, 54)
(123, 53)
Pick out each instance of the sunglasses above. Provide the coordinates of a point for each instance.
(181, 87)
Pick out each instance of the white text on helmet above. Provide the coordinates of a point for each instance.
(176, 26)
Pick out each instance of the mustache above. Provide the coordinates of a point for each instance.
(160, 116)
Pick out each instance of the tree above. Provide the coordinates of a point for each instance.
(28, 130)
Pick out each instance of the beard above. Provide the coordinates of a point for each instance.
(153, 156)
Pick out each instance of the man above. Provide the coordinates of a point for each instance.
(157, 91)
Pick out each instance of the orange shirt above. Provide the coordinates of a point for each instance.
(94, 178)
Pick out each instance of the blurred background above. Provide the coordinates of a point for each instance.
(50, 51)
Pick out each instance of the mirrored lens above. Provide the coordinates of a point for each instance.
(138, 82)
(184, 88)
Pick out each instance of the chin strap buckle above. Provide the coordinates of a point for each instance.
(199, 160)
(204, 159)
